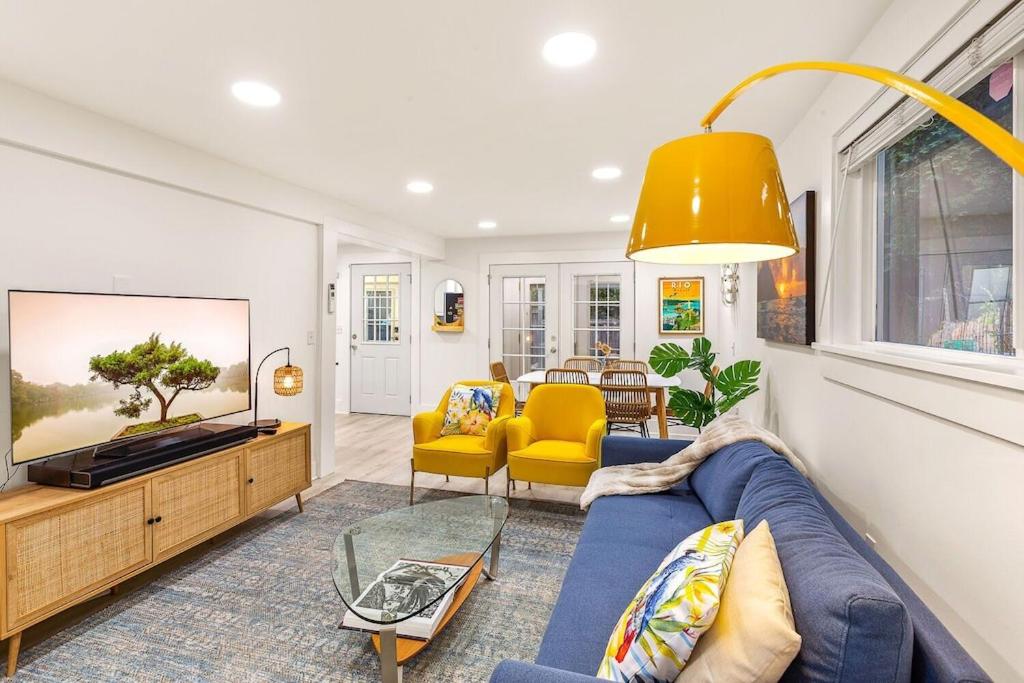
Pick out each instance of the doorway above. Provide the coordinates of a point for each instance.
(380, 339)
(541, 314)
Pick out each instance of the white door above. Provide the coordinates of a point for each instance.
(596, 305)
(381, 340)
(524, 317)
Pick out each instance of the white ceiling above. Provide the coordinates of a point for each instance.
(376, 93)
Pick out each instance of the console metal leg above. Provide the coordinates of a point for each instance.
(390, 672)
(492, 572)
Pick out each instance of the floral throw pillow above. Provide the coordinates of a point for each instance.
(471, 409)
(657, 632)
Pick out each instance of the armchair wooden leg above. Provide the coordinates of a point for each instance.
(446, 479)
(487, 482)
(529, 485)
(513, 484)
(508, 485)
(412, 479)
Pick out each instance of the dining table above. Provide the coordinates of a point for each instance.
(656, 386)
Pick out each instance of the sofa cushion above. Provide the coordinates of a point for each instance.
(623, 541)
(854, 626)
(721, 478)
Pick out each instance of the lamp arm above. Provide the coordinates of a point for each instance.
(983, 129)
(256, 399)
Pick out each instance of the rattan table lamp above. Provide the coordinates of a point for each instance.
(287, 382)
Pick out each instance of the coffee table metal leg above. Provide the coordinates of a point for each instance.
(390, 672)
(492, 573)
(350, 559)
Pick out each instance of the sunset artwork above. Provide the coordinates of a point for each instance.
(681, 305)
(785, 287)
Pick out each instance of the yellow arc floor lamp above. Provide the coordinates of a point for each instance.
(719, 198)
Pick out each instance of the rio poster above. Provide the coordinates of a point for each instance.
(681, 305)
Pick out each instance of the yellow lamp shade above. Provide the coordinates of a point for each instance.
(288, 380)
(713, 198)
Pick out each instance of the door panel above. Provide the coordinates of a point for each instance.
(597, 305)
(53, 557)
(524, 317)
(195, 501)
(275, 471)
(380, 341)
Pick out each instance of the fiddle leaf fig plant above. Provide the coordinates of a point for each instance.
(725, 389)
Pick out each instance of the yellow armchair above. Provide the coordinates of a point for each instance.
(461, 455)
(557, 440)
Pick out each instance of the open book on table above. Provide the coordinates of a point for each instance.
(403, 588)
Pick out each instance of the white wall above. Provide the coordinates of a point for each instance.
(449, 357)
(85, 197)
(943, 500)
(68, 227)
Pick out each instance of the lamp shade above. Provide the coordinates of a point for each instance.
(713, 198)
(288, 380)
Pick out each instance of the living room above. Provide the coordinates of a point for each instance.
(497, 326)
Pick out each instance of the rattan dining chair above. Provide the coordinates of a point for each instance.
(584, 363)
(565, 376)
(626, 399)
(637, 365)
(500, 374)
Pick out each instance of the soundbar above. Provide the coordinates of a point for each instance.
(123, 459)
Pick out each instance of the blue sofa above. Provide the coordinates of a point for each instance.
(859, 621)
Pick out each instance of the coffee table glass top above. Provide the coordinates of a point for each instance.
(456, 531)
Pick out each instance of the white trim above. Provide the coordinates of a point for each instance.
(999, 371)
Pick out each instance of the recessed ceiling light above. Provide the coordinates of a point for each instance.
(606, 172)
(620, 218)
(256, 94)
(487, 225)
(419, 187)
(569, 49)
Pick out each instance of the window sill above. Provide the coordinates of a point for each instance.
(1007, 372)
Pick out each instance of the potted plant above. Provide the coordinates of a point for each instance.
(725, 389)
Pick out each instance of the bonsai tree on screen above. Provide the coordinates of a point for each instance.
(725, 389)
(163, 370)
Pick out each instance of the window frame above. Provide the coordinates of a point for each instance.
(857, 338)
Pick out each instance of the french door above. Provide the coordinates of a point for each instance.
(541, 314)
(380, 341)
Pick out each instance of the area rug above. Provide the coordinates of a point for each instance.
(262, 606)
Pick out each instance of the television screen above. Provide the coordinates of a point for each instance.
(92, 368)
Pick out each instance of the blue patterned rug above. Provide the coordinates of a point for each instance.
(262, 606)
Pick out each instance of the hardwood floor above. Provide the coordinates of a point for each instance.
(377, 448)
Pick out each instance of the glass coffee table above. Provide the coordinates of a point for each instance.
(424, 552)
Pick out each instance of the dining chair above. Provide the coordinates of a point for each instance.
(637, 365)
(565, 376)
(584, 363)
(627, 401)
(500, 374)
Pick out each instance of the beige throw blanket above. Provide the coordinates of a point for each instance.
(649, 477)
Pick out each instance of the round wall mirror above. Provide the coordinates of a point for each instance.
(449, 307)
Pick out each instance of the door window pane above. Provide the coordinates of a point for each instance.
(524, 315)
(945, 257)
(596, 313)
(381, 308)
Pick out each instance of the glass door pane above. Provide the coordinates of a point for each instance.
(524, 317)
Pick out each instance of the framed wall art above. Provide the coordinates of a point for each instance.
(681, 305)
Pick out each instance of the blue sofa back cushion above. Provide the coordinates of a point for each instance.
(721, 478)
(854, 626)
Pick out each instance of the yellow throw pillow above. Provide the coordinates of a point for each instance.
(753, 638)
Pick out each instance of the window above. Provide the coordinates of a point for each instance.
(945, 232)
(380, 308)
(524, 314)
(597, 313)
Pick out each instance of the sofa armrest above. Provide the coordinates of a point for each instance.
(520, 433)
(624, 450)
(510, 671)
(426, 427)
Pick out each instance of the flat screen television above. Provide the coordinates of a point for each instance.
(87, 369)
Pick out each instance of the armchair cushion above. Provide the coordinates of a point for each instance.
(471, 409)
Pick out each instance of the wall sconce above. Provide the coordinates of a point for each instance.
(730, 283)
